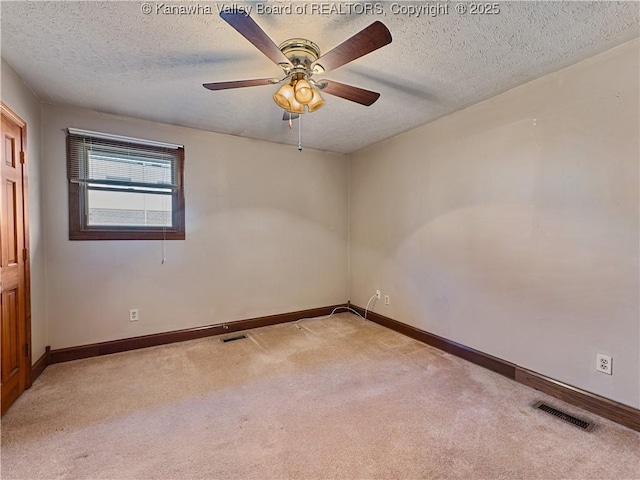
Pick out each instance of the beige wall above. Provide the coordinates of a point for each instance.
(512, 226)
(266, 233)
(17, 96)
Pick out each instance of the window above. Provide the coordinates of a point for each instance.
(124, 188)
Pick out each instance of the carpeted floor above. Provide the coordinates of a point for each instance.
(336, 398)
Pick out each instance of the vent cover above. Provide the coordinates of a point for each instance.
(233, 339)
(578, 422)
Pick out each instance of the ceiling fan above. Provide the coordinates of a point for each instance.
(300, 60)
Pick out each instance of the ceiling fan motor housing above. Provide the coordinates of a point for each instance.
(301, 53)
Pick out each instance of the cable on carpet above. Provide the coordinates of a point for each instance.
(334, 311)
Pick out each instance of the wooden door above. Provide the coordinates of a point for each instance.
(14, 331)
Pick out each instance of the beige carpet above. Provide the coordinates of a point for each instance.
(336, 398)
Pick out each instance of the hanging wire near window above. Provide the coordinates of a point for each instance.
(164, 229)
(164, 239)
(299, 133)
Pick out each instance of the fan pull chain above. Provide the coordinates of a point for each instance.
(299, 133)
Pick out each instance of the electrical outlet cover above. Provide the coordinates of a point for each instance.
(604, 364)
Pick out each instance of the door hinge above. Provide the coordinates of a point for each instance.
(25, 254)
(26, 349)
(22, 157)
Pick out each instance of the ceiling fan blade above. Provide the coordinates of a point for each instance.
(244, 24)
(240, 83)
(286, 116)
(348, 92)
(366, 41)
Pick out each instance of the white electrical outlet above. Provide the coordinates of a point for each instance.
(378, 294)
(133, 315)
(604, 364)
(386, 299)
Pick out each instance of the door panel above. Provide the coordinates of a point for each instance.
(9, 151)
(11, 325)
(13, 328)
(11, 234)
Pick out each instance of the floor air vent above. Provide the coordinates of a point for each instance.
(233, 339)
(588, 426)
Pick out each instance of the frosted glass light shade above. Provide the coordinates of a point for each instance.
(303, 91)
(316, 102)
(296, 107)
(285, 98)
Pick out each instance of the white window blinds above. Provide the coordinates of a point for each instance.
(121, 163)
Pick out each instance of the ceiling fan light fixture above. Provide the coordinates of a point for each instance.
(316, 101)
(285, 98)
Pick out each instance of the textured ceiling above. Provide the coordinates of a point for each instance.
(111, 57)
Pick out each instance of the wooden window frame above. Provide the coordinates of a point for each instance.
(79, 230)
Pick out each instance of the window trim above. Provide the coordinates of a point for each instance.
(79, 230)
